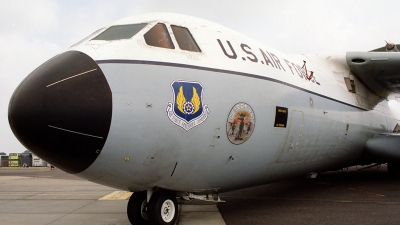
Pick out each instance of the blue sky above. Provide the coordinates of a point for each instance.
(33, 31)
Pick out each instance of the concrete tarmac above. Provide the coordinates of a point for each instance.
(52, 197)
(31, 196)
(365, 197)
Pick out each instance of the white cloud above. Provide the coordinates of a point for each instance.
(20, 56)
(19, 16)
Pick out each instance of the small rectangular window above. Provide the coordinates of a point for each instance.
(119, 32)
(158, 36)
(185, 39)
(281, 117)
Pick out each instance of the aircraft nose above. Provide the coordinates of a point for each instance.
(62, 111)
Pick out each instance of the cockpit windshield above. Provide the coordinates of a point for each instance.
(119, 32)
(158, 36)
(185, 39)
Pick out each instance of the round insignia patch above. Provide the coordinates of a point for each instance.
(240, 124)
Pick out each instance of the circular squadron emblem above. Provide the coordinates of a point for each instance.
(240, 124)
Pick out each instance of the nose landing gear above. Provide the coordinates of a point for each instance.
(162, 209)
(137, 208)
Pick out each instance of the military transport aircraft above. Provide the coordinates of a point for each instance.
(173, 107)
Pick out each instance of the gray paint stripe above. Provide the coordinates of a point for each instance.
(75, 132)
(122, 61)
(71, 77)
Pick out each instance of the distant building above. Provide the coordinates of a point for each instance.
(4, 160)
(14, 159)
(38, 161)
(26, 160)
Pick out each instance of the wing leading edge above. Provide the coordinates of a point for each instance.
(379, 71)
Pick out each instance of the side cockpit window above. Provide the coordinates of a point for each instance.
(119, 32)
(158, 36)
(185, 39)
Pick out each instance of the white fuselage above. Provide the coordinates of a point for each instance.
(327, 126)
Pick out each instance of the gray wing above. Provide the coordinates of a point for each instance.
(379, 71)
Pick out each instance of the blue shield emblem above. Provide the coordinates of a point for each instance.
(187, 110)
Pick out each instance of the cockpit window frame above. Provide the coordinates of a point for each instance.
(186, 42)
(131, 35)
(177, 47)
(88, 38)
(168, 41)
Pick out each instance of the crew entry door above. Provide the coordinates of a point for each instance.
(293, 138)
